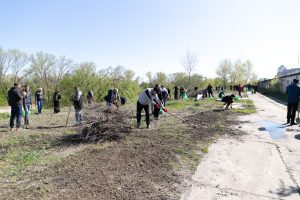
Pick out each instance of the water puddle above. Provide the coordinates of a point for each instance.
(276, 131)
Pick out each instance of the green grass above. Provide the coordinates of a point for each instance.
(18, 159)
(3, 100)
(190, 104)
(4, 116)
(186, 152)
(205, 149)
(22, 151)
(247, 107)
(275, 94)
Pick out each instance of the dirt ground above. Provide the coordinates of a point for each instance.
(148, 164)
(261, 164)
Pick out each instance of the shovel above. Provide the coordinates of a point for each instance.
(298, 119)
(68, 115)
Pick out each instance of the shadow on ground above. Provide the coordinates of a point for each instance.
(70, 139)
(275, 99)
(297, 137)
(284, 192)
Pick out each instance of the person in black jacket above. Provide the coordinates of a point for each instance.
(15, 101)
(78, 105)
(39, 99)
(293, 92)
(210, 90)
(228, 100)
(176, 92)
(90, 96)
(56, 101)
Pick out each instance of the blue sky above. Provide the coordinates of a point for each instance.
(154, 35)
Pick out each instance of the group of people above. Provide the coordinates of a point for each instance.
(20, 100)
(155, 98)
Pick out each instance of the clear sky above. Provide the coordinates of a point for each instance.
(153, 35)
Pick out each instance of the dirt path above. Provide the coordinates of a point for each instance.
(262, 164)
(4, 109)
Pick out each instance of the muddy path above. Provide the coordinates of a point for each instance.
(261, 164)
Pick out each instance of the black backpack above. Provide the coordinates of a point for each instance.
(123, 100)
(78, 104)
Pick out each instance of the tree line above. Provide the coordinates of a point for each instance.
(234, 73)
(43, 70)
(47, 71)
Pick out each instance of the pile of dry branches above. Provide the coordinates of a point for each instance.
(105, 124)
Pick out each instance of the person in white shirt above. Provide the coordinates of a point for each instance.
(148, 96)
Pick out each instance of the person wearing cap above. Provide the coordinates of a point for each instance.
(293, 92)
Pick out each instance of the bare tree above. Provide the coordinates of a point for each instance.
(248, 70)
(223, 71)
(6, 61)
(63, 66)
(18, 61)
(149, 76)
(189, 62)
(42, 70)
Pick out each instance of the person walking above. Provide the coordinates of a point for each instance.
(27, 105)
(56, 101)
(39, 99)
(78, 105)
(293, 92)
(15, 101)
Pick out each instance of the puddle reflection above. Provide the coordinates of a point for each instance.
(276, 131)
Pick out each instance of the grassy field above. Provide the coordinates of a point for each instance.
(3, 100)
(49, 161)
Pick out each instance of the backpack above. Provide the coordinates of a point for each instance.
(78, 103)
(123, 100)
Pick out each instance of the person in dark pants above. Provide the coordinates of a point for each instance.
(39, 100)
(240, 89)
(15, 101)
(176, 92)
(56, 101)
(27, 105)
(90, 97)
(293, 92)
(228, 100)
(146, 98)
(210, 90)
(165, 95)
(109, 98)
